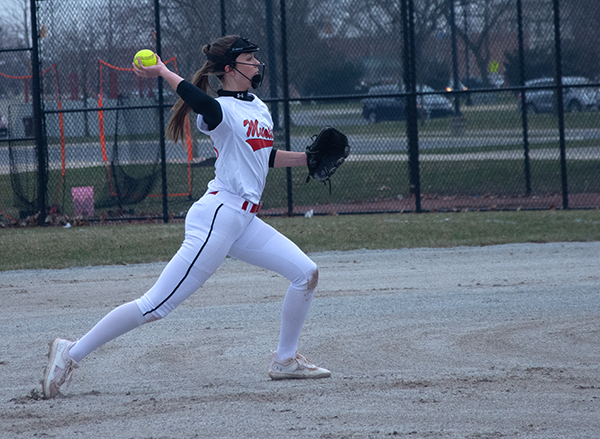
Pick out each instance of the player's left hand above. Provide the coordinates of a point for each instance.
(327, 152)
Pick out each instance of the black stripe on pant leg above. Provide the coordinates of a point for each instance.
(191, 265)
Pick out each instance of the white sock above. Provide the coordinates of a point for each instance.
(117, 322)
(296, 304)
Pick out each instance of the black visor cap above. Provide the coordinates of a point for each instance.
(241, 45)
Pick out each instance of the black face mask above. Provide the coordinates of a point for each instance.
(257, 79)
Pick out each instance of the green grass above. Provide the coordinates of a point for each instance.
(438, 230)
(32, 248)
(82, 246)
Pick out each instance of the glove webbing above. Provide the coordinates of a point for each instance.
(324, 182)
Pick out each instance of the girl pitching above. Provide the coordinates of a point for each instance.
(223, 222)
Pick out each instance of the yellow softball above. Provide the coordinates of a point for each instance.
(146, 56)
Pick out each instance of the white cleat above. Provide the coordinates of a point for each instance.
(59, 369)
(297, 367)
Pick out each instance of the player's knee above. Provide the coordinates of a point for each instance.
(151, 312)
(152, 317)
(313, 279)
(307, 281)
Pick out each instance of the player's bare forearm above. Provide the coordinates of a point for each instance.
(172, 78)
(286, 159)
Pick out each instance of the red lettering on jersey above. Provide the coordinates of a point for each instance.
(252, 128)
(261, 137)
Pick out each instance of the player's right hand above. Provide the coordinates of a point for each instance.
(150, 71)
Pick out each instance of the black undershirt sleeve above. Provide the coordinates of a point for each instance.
(201, 103)
(272, 158)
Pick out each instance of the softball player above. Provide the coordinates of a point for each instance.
(223, 222)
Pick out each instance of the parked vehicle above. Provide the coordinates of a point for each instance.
(394, 108)
(433, 105)
(574, 99)
(381, 108)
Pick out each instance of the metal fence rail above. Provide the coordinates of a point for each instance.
(448, 104)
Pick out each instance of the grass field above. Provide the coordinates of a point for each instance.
(31, 248)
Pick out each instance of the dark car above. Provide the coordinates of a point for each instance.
(381, 108)
(574, 99)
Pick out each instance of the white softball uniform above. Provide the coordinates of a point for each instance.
(223, 222)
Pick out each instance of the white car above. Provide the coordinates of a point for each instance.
(574, 99)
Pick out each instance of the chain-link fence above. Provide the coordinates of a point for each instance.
(448, 104)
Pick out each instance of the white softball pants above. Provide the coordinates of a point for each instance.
(217, 226)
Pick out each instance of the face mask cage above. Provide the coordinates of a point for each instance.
(257, 79)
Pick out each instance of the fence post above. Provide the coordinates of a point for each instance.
(286, 103)
(412, 127)
(456, 79)
(161, 119)
(272, 63)
(223, 19)
(523, 98)
(38, 119)
(560, 105)
(467, 72)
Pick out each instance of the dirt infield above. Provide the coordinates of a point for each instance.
(485, 342)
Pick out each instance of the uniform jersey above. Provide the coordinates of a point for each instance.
(243, 142)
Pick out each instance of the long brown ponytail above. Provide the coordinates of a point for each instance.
(180, 110)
